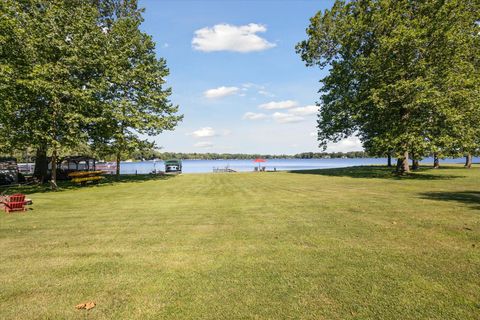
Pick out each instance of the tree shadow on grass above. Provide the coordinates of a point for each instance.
(68, 185)
(468, 197)
(379, 172)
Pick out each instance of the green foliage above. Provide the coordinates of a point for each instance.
(52, 83)
(404, 76)
(134, 99)
(53, 76)
(79, 73)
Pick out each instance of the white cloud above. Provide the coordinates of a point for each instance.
(226, 37)
(266, 93)
(346, 145)
(203, 144)
(286, 104)
(314, 134)
(304, 111)
(203, 132)
(260, 89)
(281, 117)
(292, 114)
(220, 92)
(254, 116)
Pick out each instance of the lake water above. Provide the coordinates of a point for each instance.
(200, 166)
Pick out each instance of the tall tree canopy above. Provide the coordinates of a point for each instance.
(76, 72)
(134, 94)
(52, 82)
(403, 74)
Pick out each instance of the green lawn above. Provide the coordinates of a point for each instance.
(352, 243)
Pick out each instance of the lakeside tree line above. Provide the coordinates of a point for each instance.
(155, 154)
(403, 76)
(152, 154)
(79, 72)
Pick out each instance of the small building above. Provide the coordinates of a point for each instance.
(70, 164)
(77, 163)
(173, 166)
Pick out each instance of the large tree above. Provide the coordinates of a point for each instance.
(137, 104)
(76, 72)
(396, 73)
(53, 82)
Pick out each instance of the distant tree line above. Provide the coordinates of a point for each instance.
(404, 76)
(28, 155)
(156, 154)
(333, 155)
(79, 72)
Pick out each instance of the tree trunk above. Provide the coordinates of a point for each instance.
(41, 164)
(53, 173)
(415, 164)
(468, 161)
(436, 161)
(398, 168)
(406, 168)
(389, 160)
(402, 164)
(53, 181)
(118, 164)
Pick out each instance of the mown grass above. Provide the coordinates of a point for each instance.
(353, 243)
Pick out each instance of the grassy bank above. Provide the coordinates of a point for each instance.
(352, 243)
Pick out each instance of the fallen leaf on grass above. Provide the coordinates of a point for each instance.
(90, 305)
(86, 305)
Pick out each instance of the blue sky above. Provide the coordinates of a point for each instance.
(236, 77)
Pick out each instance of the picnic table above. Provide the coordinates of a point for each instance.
(84, 177)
